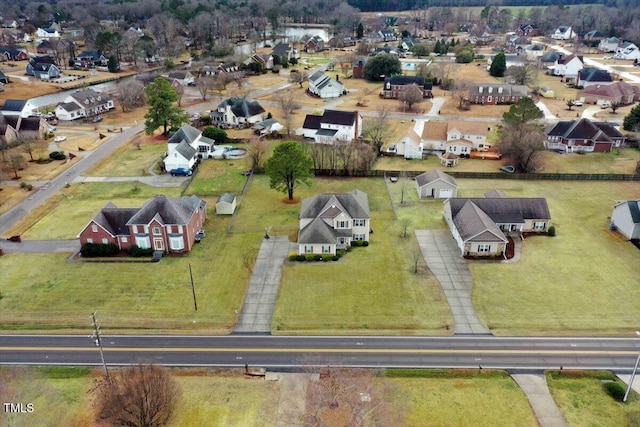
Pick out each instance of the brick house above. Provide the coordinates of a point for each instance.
(583, 136)
(393, 86)
(621, 92)
(357, 69)
(529, 30)
(492, 94)
(162, 224)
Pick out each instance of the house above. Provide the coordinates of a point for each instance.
(435, 184)
(4, 79)
(264, 59)
(492, 94)
(620, 92)
(332, 126)
(329, 222)
(237, 112)
(314, 44)
(226, 204)
(394, 85)
(609, 44)
(563, 32)
(592, 77)
(230, 70)
(534, 52)
(625, 218)
(47, 33)
(285, 51)
(324, 86)
(458, 137)
(627, 50)
(84, 103)
(480, 225)
(548, 59)
(185, 147)
(18, 107)
(340, 42)
(387, 35)
(409, 146)
(267, 127)
(567, 66)
(44, 71)
(36, 64)
(13, 128)
(12, 54)
(185, 78)
(47, 47)
(583, 136)
(408, 42)
(594, 36)
(163, 224)
(357, 68)
(529, 30)
(10, 24)
(90, 59)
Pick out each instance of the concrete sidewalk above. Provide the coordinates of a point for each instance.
(636, 381)
(263, 287)
(537, 391)
(450, 268)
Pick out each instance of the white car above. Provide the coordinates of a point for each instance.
(577, 103)
(605, 105)
(59, 138)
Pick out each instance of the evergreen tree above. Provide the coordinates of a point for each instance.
(632, 120)
(437, 48)
(498, 65)
(359, 31)
(160, 97)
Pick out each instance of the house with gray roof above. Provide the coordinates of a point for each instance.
(492, 94)
(17, 127)
(84, 103)
(185, 147)
(435, 184)
(593, 76)
(44, 70)
(163, 224)
(481, 226)
(329, 222)
(237, 112)
(609, 44)
(332, 126)
(324, 86)
(625, 218)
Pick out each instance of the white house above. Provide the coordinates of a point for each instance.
(226, 204)
(185, 78)
(237, 112)
(563, 32)
(329, 222)
(436, 184)
(47, 33)
(625, 218)
(409, 146)
(18, 107)
(567, 66)
(324, 86)
(185, 147)
(333, 125)
(609, 44)
(627, 50)
(84, 103)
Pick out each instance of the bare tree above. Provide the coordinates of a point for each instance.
(362, 95)
(412, 94)
(405, 223)
(570, 104)
(130, 94)
(298, 77)
(137, 396)
(376, 128)
(258, 148)
(205, 84)
(614, 106)
(287, 101)
(29, 146)
(444, 71)
(522, 143)
(461, 90)
(416, 255)
(526, 74)
(16, 163)
(349, 397)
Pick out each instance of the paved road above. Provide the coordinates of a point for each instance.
(525, 353)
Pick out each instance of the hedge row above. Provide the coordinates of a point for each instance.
(89, 250)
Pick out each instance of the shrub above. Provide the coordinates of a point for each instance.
(326, 257)
(137, 251)
(57, 155)
(317, 257)
(335, 258)
(275, 69)
(89, 250)
(551, 231)
(614, 390)
(310, 257)
(301, 258)
(339, 253)
(365, 243)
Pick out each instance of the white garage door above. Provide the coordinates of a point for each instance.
(445, 193)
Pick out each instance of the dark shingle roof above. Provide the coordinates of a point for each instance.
(634, 209)
(508, 209)
(594, 75)
(312, 122)
(318, 232)
(226, 198)
(473, 224)
(14, 104)
(338, 117)
(241, 107)
(114, 219)
(583, 129)
(185, 133)
(166, 210)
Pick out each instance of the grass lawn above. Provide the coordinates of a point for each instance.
(582, 281)
(583, 401)
(462, 398)
(617, 161)
(363, 299)
(128, 160)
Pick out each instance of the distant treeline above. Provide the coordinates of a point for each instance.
(396, 5)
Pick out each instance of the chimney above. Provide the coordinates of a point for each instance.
(356, 125)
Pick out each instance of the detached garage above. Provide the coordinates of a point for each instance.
(436, 184)
(226, 204)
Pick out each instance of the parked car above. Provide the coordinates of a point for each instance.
(59, 138)
(577, 103)
(96, 119)
(180, 172)
(605, 105)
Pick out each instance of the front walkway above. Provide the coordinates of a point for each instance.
(263, 287)
(537, 391)
(445, 262)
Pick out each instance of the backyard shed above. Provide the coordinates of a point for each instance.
(436, 184)
(226, 204)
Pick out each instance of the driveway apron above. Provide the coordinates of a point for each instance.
(445, 262)
(263, 287)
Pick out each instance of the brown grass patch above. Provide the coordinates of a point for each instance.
(19, 89)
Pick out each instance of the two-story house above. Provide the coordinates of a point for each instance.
(185, 78)
(583, 136)
(237, 112)
(393, 86)
(84, 103)
(627, 50)
(185, 147)
(567, 66)
(333, 125)
(314, 44)
(163, 224)
(458, 137)
(492, 94)
(609, 44)
(563, 32)
(529, 30)
(329, 222)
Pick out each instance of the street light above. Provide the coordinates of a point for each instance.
(633, 375)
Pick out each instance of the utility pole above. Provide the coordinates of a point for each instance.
(193, 289)
(98, 342)
(633, 375)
